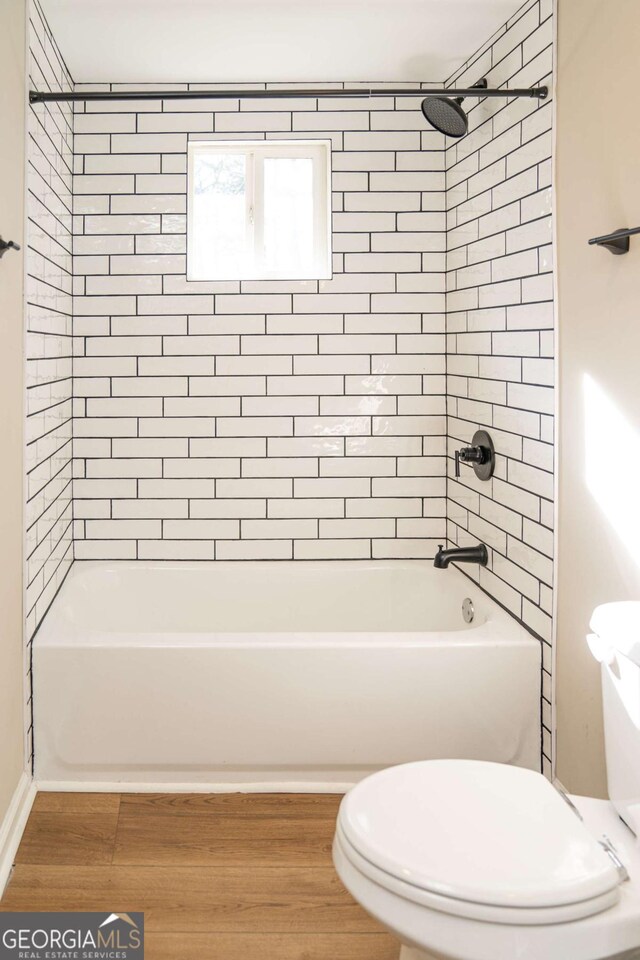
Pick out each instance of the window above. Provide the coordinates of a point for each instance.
(259, 210)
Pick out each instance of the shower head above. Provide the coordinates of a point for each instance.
(446, 115)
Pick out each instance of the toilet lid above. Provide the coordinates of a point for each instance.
(481, 832)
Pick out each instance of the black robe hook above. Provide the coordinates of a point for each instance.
(4, 246)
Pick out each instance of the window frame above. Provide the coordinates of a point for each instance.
(256, 151)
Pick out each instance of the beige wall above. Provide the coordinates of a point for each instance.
(12, 93)
(598, 190)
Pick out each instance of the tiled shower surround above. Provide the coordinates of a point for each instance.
(500, 326)
(318, 419)
(48, 342)
(259, 419)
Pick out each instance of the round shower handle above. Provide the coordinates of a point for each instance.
(480, 455)
(473, 454)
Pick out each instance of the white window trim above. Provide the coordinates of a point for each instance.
(320, 152)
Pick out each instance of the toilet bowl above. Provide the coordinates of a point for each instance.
(470, 860)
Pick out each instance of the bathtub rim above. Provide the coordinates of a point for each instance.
(500, 626)
(488, 632)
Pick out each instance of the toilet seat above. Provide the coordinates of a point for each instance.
(507, 916)
(479, 840)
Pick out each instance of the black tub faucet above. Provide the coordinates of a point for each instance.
(477, 554)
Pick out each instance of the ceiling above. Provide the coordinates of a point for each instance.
(140, 41)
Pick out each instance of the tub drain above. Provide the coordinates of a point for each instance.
(468, 613)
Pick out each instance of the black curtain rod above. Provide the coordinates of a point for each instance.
(35, 96)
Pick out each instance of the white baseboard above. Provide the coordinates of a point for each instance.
(12, 827)
(100, 786)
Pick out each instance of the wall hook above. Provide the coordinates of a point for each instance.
(4, 246)
(616, 242)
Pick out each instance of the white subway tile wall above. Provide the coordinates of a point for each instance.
(500, 366)
(258, 419)
(48, 338)
(305, 420)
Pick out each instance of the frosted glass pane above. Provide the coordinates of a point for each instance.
(288, 216)
(220, 241)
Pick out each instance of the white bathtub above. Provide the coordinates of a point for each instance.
(275, 675)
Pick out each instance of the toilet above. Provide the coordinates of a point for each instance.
(470, 860)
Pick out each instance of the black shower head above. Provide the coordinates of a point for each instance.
(446, 115)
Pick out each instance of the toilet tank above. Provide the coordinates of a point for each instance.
(615, 642)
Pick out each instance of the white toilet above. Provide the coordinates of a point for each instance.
(466, 860)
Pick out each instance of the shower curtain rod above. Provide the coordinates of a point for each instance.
(35, 96)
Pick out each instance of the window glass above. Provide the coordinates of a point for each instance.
(220, 240)
(259, 210)
(288, 215)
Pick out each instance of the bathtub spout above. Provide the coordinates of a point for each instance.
(461, 555)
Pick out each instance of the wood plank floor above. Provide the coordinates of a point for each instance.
(218, 877)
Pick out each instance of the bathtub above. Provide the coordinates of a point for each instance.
(274, 675)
